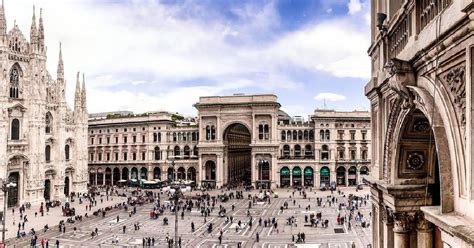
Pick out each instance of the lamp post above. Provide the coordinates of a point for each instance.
(177, 193)
(5, 186)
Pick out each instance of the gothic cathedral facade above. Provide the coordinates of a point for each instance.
(43, 143)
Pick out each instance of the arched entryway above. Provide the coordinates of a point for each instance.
(100, 176)
(108, 176)
(324, 176)
(66, 186)
(144, 173)
(210, 174)
(364, 171)
(181, 173)
(116, 176)
(13, 192)
(134, 173)
(285, 177)
(296, 174)
(341, 176)
(47, 190)
(157, 173)
(170, 174)
(308, 175)
(352, 176)
(92, 176)
(125, 173)
(237, 140)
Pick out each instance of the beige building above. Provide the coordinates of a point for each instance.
(240, 139)
(422, 120)
(43, 147)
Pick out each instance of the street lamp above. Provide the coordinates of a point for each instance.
(5, 186)
(176, 194)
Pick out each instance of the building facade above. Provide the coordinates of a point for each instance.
(234, 140)
(421, 105)
(44, 143)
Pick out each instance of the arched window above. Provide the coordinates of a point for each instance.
(295, 135)
(193, 136)
(353, 154)
(283, 135)
(159, 137)
(308, 151)
(195, 151)
(208, 132)
(286, 151)
(266, 132)
(288, 135)
(260, 132)
(311, 135)
(157, 153)
(300, 135)
(187, 152)
(66, 152)
(155, 137)
(177, 151)
(213, 133)
(324, 152)
(174, 137)
(321, 135)
(305, 134)
(49, 123)
(328, 135)
(15, 81)
(297, 151)
(47, 153)
(15, 132)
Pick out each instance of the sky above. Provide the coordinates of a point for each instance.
(150, 55)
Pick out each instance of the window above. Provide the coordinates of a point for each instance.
(92, 141)
(311, 135)
(47, 153)
(297, 151)
(134, 129)
(266, 132)
(176, 151)
(210, 132)
(324, 152)
(364, 155)
(66, 152)
(157, 153)
(295, 135)
(364, 135)
(134, 139)
(100, 140)
(300, 135)
(143, 138)
(143, 155)
(328, 135)
(341, 155)
(159, 137)
(107, 156)
(308, 151)
(353, 155)
(91, 156)
(288, 135)
(15, 81)
(134, 156)
(286, 151)
(100, 156)
(125, 156)
(116, 156)
(15, 132)
(341, 134)
(155, 137)
(321, 135)
(187, 152)
(125, 139)
(108, 140)
(49, 123)
(305, 134)
(174, 137)
(213, 133)
(260, 132)
(116, 140)
(263, 132)
(283, 135)
(195, 151)
(353, 135)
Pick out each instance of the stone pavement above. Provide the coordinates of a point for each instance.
(110, 230)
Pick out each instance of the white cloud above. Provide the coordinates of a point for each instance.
(354, 6)
(141, 43)
(331, 97)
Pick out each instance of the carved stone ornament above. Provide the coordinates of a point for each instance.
(387, 215)
(422, 224)
(456, 84)
(415, 160)
(421, 126)
(403, 222)
(401, 75)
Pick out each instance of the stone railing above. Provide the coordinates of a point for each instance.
(429, 9)
(398, 36)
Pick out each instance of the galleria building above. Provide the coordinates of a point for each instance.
(421, 94)
(43, 143)
(235, 140)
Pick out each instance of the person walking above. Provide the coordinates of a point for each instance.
(257, 237)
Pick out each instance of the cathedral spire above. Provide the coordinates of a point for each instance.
(83, 98)
(77, 95)
(3, 24)
(60, 63)
(33, 31)
(41, 32)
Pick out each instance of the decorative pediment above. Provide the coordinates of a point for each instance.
(17, 107)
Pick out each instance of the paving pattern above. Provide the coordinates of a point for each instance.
(111, 232)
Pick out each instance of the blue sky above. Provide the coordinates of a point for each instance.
(145, 55)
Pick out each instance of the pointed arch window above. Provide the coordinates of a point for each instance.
(49, 123)
(66, 152)
(15, 132)
(47, 153)
(15, 81)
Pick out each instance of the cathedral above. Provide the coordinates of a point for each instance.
(43, 148)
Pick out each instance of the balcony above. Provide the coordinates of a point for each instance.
(296, 157)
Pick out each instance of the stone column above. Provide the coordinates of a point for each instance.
(401, 229)
(96, 176)
(387, 226)
(103, 178)
(424, 232)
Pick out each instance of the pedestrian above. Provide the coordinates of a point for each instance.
(257, 237)
(57, 243)
(124, 228)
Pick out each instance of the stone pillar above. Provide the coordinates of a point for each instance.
(103, 178)
(401, 229)
(387, 226)
(96, 175)
(346, 178)
(424, 232)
